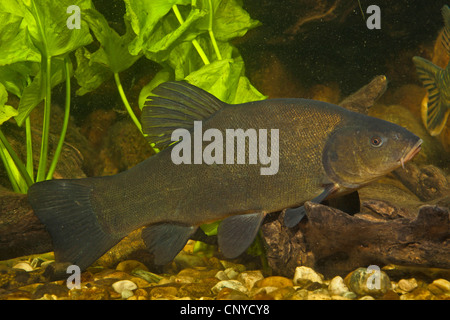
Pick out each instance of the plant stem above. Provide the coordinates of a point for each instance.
(125, 102)
(15, 159)
(55, 159)
(46, 126)
(194, 42)
(7, 163)
(29, 140)
(211, 32)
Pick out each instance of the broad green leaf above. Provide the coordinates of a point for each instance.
(229, 19)
(245, 92)
(163, 75)
(89, 75)
(35, 92)
(114, 48)
(169, 33)
(15, 42)
(6, 111)
(144, 15)
(15, 77)
(47, 25)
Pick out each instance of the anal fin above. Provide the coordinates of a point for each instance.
(166, 240)
(236, 233)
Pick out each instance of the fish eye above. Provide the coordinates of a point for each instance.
(376, 141)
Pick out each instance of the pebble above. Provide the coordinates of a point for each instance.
(249, 278)
(275, 281)
(337, 286)
(130, 265)
(440, 286)
(407, 285)
(216, 279)
(303, 274)
(122, 285)
(231, 284)
(365, 282)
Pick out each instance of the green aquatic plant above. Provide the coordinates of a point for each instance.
(35, 42)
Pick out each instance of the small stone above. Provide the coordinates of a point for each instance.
(275, 281)
(439, 286)
(283, 293)
(163, 293)
(249, 278)
(417, 294)
(231, 284)
(50, 289)
(195, 290)
(230, 294)
(127, 294)
(368, 282)
(407, 285)
(122, 285)
(337, 286)
(231, 273)
(366, 298)
(130, 265)
(221, 275)
(318, 295)
(304, 273)
(24, 266)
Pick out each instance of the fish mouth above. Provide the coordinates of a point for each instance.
(412, 153)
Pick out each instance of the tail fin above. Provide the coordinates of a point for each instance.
(64, 207)
(437, 110)
(175, 105)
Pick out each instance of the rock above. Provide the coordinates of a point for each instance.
(440, 286)
(231, 284)
(130, 265)
(283, 293)
(303, 274)
(318, 295)
(249, 278)
(275, 281)
(163, 293)
(122, 285)
(337, 286)
(221, 275)
(407, 285)
(417, 294)
(368, 282)
(57, 290)
(195, 290)
(127, 294)
(231, 294)
(147, 276)
(92, 293)
(231, 273)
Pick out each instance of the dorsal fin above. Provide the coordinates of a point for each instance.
(175, 105)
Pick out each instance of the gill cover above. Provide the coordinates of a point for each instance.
(356, 155)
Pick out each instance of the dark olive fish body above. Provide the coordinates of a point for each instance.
(324, 150)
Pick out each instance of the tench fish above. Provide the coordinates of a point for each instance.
(323, 150)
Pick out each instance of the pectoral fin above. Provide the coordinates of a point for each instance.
(236, 233)
(166, 240)
(293, 216)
